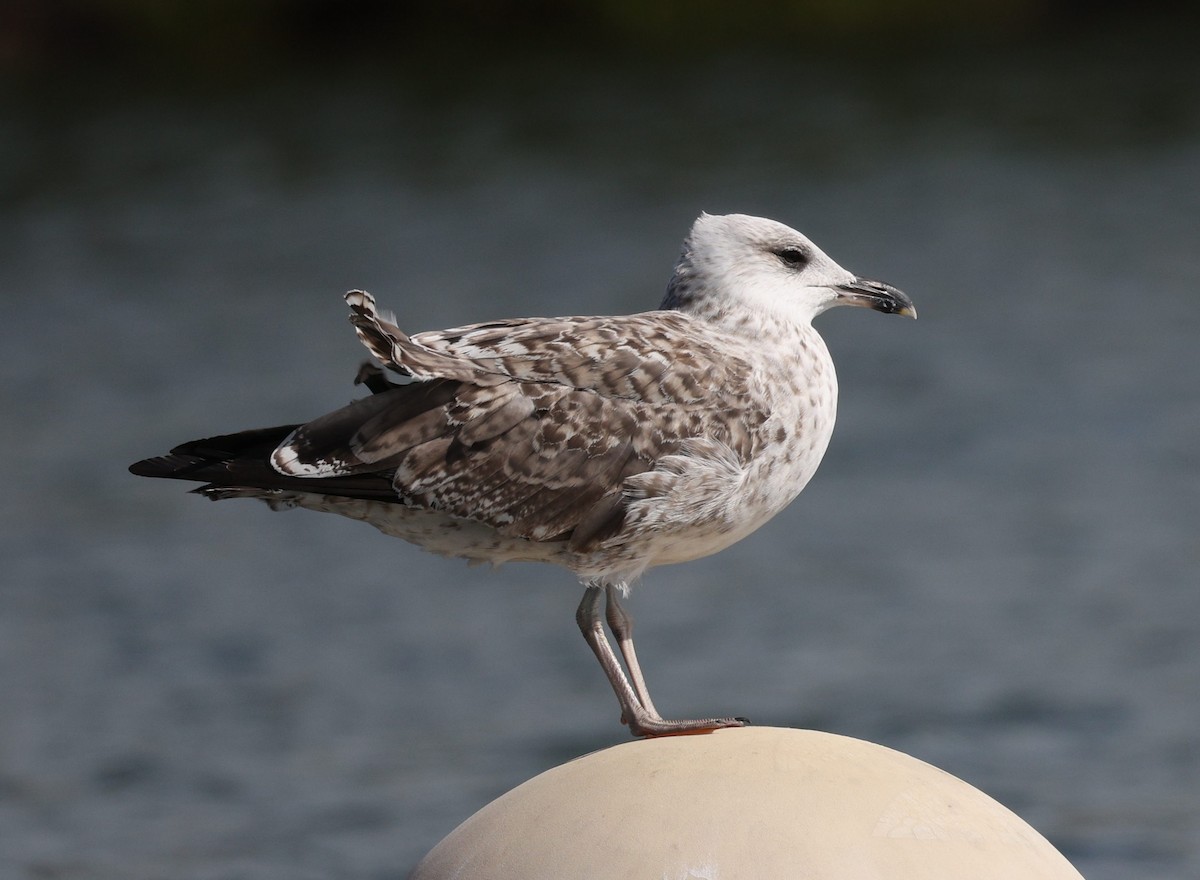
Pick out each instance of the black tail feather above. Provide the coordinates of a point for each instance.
(201, 459)
(243, 461)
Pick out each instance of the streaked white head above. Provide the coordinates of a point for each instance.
(736, 263)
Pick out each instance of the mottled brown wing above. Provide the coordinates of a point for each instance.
(565, 410)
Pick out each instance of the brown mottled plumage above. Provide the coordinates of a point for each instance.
(604, 444)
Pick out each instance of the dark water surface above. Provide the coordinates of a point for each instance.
(995, 570)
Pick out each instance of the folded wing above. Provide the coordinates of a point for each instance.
(531, 427)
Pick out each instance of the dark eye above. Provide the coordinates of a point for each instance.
(793, 257)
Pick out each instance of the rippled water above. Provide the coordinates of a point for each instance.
(995, 569)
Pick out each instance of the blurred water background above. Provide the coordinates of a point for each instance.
(995, 570)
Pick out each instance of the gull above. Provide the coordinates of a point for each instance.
(606, 445)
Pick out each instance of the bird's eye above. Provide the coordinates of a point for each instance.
(793, 257)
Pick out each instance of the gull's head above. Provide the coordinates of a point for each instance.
(735, 263)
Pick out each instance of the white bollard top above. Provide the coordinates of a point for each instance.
(755, 802)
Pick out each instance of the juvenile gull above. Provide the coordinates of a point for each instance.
(607, 445)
